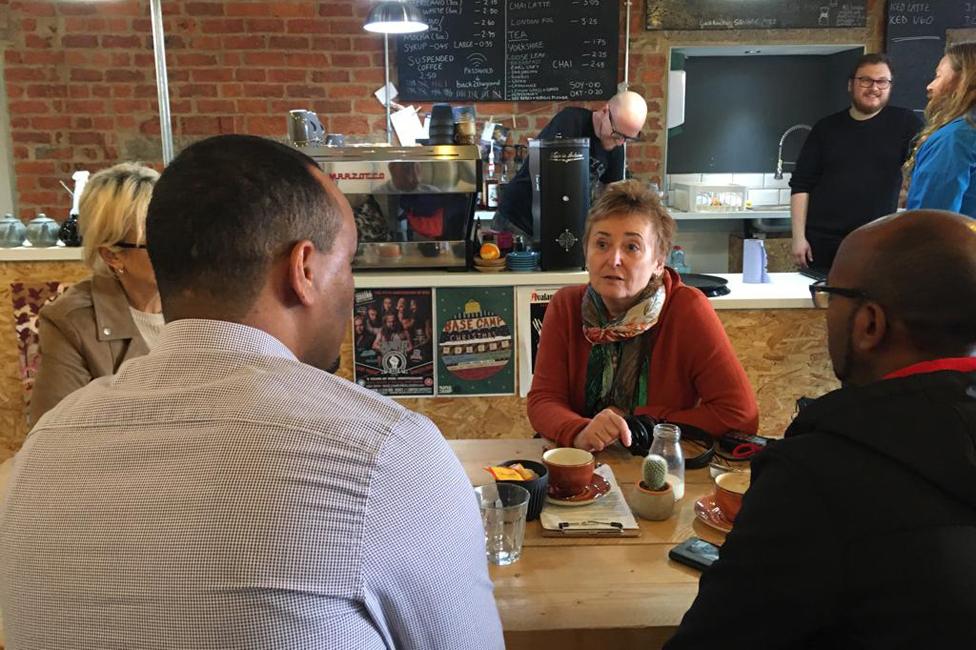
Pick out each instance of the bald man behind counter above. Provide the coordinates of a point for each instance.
(859, 528)
(619, 121)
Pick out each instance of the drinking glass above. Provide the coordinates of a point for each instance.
(503, 509)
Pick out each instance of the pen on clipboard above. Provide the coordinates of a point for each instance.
(593, 526)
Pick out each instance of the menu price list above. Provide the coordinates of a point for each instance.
(511, 50)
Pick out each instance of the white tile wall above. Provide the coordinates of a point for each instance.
(716, 179)
(683, 178)
(769, 181)
(784, 196)
(749, 180)
(763, 197)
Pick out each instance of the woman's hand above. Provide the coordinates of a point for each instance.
(605, 427)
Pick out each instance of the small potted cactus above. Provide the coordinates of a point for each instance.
(654, 498)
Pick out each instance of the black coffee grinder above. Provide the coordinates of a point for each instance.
(560, 174)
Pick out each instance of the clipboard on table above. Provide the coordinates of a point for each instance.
(607, 517)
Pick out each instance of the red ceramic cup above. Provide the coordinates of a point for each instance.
(729, 488)
(570, 470)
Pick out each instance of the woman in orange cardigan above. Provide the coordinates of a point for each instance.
(635, 340)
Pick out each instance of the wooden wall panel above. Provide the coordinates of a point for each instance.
(784, 352)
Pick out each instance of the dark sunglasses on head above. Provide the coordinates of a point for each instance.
(125, 244)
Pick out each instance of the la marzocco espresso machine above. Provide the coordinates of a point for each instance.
(414, 206)
(560, 173)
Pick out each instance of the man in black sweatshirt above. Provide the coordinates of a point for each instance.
(859, 528)
(849, 170)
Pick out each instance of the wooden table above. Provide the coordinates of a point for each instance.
(593, 593)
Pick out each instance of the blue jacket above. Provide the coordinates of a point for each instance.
(945, 170)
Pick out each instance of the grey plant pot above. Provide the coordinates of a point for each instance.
(653, 505)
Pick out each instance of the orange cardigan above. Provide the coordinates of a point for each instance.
(694, 376)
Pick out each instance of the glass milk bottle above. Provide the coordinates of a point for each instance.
(667, 444)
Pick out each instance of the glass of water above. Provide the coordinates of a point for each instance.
(503, 509)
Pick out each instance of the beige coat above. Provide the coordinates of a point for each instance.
(86, 333)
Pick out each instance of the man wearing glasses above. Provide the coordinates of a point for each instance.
(849, 170)
(608, 129)
(859, 526)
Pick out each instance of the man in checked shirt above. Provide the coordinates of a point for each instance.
(226, 491)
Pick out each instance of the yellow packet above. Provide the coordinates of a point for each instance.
(504, 473)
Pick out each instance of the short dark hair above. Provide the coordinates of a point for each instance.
(871, 59)
(924, 275)
(225, 209)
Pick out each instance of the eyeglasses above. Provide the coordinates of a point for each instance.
(125, 244)
(867, 82)
(617, 134)
(820, 293)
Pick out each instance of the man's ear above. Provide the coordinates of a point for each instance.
(870, 327)
(301, 275)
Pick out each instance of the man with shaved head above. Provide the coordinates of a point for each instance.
(608, 129)
(859, 528)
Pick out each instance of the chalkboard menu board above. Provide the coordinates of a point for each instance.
(755, 14)
(511, 50)
(916, 41)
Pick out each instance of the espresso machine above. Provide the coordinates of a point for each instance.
(414, 206)
(560, 173)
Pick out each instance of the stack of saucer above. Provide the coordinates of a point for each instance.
(523, 260)
(489, 266)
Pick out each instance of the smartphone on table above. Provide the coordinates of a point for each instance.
(695, 552)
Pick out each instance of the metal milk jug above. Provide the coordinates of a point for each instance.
(12, 231)
(42, 231)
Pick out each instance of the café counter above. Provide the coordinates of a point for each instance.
(779, 338)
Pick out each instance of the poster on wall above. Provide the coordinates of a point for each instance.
(531, 303)
(393, 341)
(475, 341)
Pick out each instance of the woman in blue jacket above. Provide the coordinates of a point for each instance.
(943, 165)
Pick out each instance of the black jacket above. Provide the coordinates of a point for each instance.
(859, 530)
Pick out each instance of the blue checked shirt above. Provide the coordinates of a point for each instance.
(218, 493)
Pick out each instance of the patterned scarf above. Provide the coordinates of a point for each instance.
(616, 373)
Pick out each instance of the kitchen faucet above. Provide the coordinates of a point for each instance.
(779, 153)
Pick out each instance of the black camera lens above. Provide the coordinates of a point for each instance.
(640, 437)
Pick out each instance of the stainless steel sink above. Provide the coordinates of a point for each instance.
(770, 208)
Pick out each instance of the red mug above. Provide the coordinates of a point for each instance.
(570, 470)
(729, 488)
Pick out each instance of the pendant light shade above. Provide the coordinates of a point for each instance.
(395, 17)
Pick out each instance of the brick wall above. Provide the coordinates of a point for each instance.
(80, 80)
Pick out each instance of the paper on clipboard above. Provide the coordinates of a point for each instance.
(607, 515)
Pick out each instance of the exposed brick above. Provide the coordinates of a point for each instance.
(82, 74)
(25, 74)
(51, 122)
(306, 91)
(307, 59)
(199, 125)
(216, 106)
(47, 90)
(79, 40)
(27, 107)
(343, 60)
(204, 8)
(196, 90)
(250, 74)
(308, 26)
(125, 76)
(289, 42)
(212, 74)
(266, 125)
(257, 106)
(268, 25)
(332, 43)
(330, 76)
(195, 59)
(249, 42)
(115, 40)
(287, 75)
(222, 26)
(263, 90)
(335, 9)
(265, 58)
(43, 57)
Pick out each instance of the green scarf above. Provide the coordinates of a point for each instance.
(616, 373)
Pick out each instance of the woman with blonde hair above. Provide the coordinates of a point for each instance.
(116, 314)
(943, 165)
(635, 341)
